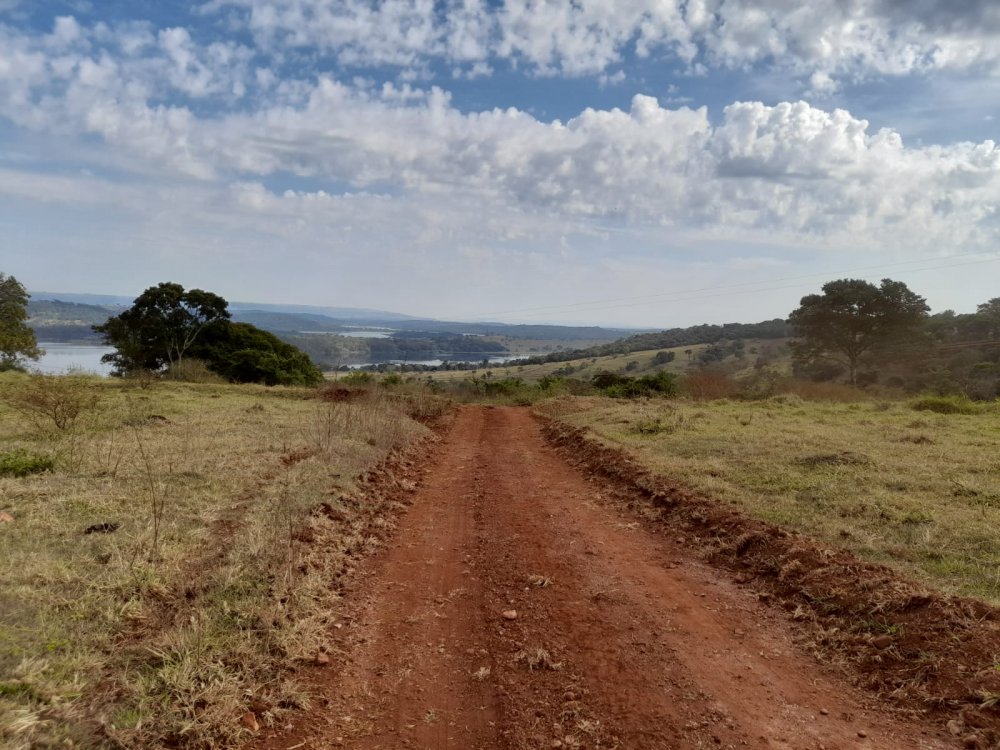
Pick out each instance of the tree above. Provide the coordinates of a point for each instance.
(853, 318)
(17, 340)
(989, 314)
(243, 353)
(160, 327)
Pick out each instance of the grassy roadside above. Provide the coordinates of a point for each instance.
(164, 562)
(917, 490)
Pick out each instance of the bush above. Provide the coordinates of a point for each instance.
(357, 377)
(391, 380)
(191, 370)
(243, 353)
(709, 384)
(614, 385)
(59, 399)
(945, 405)
(20, 463)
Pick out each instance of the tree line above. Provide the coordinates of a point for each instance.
(852, 330)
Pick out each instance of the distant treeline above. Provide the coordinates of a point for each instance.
(674, 337)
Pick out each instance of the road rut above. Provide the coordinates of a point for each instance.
(515, 608)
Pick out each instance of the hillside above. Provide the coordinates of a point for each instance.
(62, 321)
(675, 337)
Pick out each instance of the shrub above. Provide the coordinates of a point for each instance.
(243, 353)
(945, 405)
(192, 370)
(59, 399)
(357, 377)
(709, 384)
(20, 463)
(621, 386)
(390, 380)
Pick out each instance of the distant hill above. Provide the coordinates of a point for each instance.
(339, 313)
(68, 316)
(63, 321)
(692, 336)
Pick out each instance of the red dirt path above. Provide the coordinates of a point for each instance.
(622, 639)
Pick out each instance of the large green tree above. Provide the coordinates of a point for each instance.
(853, 318)
(160, 327)
(17, 340)
(243, 353)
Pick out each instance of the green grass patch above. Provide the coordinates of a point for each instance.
(946, 405)
(920, 493)
(21, 463)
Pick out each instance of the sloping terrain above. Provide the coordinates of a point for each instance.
(523, 604)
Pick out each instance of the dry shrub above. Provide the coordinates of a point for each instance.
(812, 391)
(373, 419)
(426, 408)
(709, 384)
(339, 393)
(192, 371)
(54, 400)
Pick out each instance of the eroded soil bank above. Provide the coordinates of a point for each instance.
(521, 604)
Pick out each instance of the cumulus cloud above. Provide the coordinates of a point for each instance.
(789, 170)
(832, 37)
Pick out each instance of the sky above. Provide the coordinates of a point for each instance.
(646, 163)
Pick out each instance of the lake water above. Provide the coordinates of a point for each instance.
(494, 360)
(362, 334)
(62, 358)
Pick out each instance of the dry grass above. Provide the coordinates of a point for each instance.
(916, 490)
(170, 628)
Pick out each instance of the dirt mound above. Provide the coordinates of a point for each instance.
(931, 653)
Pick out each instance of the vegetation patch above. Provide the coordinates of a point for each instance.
(946, 405)
(165, 582)
(909, 644)
(22, 463)
(853, 474)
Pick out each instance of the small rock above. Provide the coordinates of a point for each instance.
(882, 641)
(509, 614)
(824, 712)
(6, 517)
(322, 659)
(862, 733)
(569, 695)
(556, 743)
(249, 720)
(972, 741)
(956, 727)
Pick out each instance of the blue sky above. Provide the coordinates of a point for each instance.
(625, 162)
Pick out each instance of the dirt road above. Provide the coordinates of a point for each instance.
(517, 609)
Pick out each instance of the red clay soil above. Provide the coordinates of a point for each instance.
(521, 605)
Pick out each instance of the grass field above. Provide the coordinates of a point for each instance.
(633, 363)
(915, 489)
(162, 562)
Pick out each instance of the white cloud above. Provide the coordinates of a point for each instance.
(789, 173)
(831, 37)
